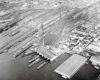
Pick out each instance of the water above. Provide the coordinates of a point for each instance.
(17, 69)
